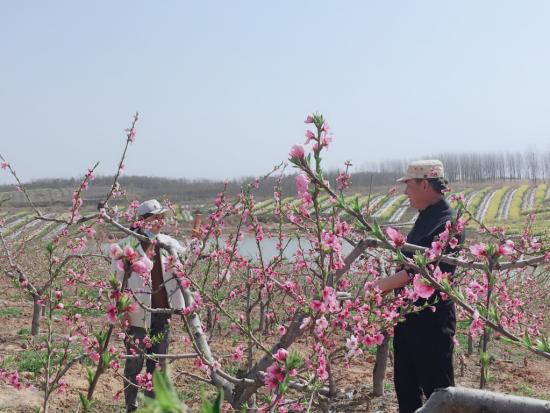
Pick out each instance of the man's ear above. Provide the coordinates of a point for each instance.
(425, 184)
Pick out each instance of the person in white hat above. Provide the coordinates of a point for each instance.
(154, 287)
(423, 343)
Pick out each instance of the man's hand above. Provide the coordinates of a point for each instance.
(397, 280)
(196, 231)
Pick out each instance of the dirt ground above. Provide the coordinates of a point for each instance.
(512, 370)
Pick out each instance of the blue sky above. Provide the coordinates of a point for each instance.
(223, 87)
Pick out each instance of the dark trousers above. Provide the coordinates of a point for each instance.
(159, 335)
(423, 352)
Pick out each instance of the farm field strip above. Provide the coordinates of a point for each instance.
(517, 200)
(41, 227)
(50, 235)
(484, 206)
(385, 205)
(390, 208)
(33, 223)
(495, 204)
(17, 221)
(372, 201)
(397, 215)
(528, 201)
(504, 207)
(469, 197)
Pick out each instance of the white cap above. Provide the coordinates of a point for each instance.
(425, 169)
(151, 206)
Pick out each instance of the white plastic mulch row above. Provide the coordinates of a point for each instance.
(469, 198)
(504, 207)
(484, 206)
(386, 205)
(528, 201)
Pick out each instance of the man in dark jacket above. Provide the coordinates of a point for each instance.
(423, 343)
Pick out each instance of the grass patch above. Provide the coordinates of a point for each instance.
(494, 205)
(10, 312)
(525, 389)
(31, 360)
(540, 193)
(517, 200)
(23, 332)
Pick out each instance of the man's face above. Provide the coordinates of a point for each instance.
(154, 223)
(417, 191)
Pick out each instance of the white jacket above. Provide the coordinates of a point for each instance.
(142, 289)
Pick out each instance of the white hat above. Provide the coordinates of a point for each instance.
(426, 169)
(151, 207)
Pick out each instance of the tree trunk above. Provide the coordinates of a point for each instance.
(470, 345)
(379, 371)
(462, 400)
(36, 312)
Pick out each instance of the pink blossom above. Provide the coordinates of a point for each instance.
(507, 248)
(130, 254)
(4, 165)
(343, 181)
(310, 136)
(453, 243)
(281, 330)
(309, 119)
(373, 339)
(238, 353)
(477, 325)
(200, 364)
(421, 287)
(281, 355)
(130, 134)
(302, 184)
(274, 376)
(352, 344)
(142, 266)
(89, 231)
(111, 313)
(479, 250)
(320, 325)
(395, 236)
(322, 369)
(297, 151)
(325, 139)
(305, 322)
(318, 306)
(460, 224)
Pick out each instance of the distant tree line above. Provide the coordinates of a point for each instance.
(461, 168)
(477, 167)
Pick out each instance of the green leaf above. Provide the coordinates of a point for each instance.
(376, 230)
(209, 407)
(86, 404)
(283, 386)
(420, 259)
(493, 314)
(355, 205)
(165, 393)
(166, 398)
(484, 358)
(89, 375)
(50, 247)
(399, 257)
(293, 360)
(543, 344)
